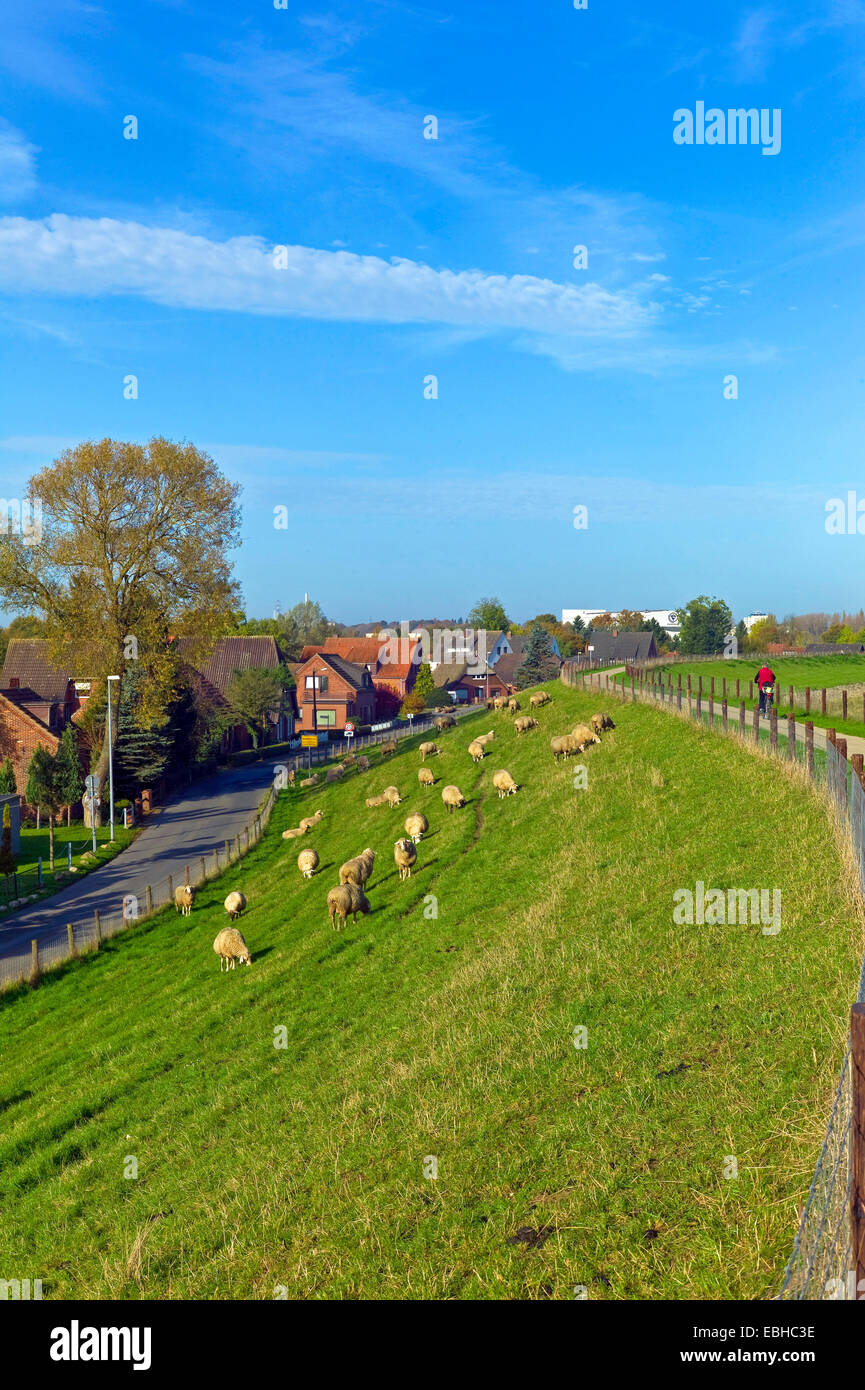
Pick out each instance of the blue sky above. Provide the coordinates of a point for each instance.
(407, 257)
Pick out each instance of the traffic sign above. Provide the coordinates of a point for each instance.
(309, 740)
(92, 783)
(349, 728)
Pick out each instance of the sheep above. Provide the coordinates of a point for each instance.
(376, 800)
(405, 855)
(231, 948)
(583, 735)
(392, 796)
(349, 760)
(307, 862)
(348, 898)
(445, 721)
(608, 723)
(293, 834)
(504, 784)
(416, 826)
(427, 750)
(292, 776)
(333, 774)
(235, 904)
(513, 705)
(563, 746)
(524, 724)
(452, 798)
(485, 738)
(500, 702)
(388, 748)
(540, 697)
(310, 781)
(362, 763)
(476, 751)
(184, 897)
(310, 822)
(426, 777)
(359, 869)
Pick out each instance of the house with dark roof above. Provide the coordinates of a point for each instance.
(21, 733)
(833, 648)
(214, 671)
(31, 681)
(468, 683)
(605, 645)
(330, 690)
(392, 663)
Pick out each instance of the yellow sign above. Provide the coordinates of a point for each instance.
(309, 740)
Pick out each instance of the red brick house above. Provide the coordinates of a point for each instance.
(392, 679)
(33, 683)
(331, 690)
(468, 684)
(21, 733)
(231, 654)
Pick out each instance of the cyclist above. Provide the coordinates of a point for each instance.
(766, 686)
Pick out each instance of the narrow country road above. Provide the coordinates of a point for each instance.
(199, 819)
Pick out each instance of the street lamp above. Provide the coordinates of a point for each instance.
(110, 764)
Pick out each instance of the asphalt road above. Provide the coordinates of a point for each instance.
(198, 820)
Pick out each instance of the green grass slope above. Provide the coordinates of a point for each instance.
(412, 1036)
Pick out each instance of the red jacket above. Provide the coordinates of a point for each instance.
(765, 676)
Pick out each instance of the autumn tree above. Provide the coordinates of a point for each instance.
(253, 694)
(134, 552)
(68, 767)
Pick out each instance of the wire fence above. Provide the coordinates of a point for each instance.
(87, 934)
(824, 1264)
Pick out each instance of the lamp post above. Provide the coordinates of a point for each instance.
(110, 764)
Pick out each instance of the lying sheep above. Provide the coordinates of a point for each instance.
(348, 898)
(405, 855)
(234, 905)
(452, 798)
(476, 751)
(445, 721)
(310, 781)
(524, 724)
(359, 869)
(540, 697)
(184, 897)
(310, 822)
(231, 948)
(307, 862)
(485, 738)
(293, 834)
(388, 748)
(376, 800)
(427, 750)
(416, 826)
(563, 745)
(504, 784)
(426, 777)
(584, 736)
(349, 760)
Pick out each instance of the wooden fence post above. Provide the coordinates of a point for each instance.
(203, 869)
(741, 715)
(34, 960)
(70, 933)
(689, 689)
(97, 924)
(712, 709)
(856, 762)
(171, 888)
(830, 735)
(857, 1142)
(186, 871)
(773, 729)
(149, 894)
(756, 723)
(737, 690)
(227, 852)
(699, 703)
(790, 701)
(844, 704)
(807, 699)
(679, 695)
(823, 700)
(724, 712)
(724, 688)
(750, 690)
(712, 685)
(809, 747)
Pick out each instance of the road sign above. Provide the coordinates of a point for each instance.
(92, 783)
(349, 729)
(309, 740)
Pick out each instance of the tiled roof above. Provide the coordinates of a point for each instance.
(27, 662)
(232, 654)
(362, 650)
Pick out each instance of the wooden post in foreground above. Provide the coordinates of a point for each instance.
(857, 1143)
(844, 704)
(756, 722)
(741, 717)
(773, 729)
(724, 725)
(70, 932)
(809, 747)
(823, 700)
(98, 925)
(791, 737)
(807, 699)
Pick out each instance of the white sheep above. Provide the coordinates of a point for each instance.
(359, 869)
(476, 750)
(416, 826)
(348, 898)
(427, 750)
(504, 784)
(426, 777)
(452, 798)
(405, 855)
(235, 903)
(309, 822)
(307, 862)
(231, 947)
(184, 897)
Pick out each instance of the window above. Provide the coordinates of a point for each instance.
(316, 682)
(326, 718)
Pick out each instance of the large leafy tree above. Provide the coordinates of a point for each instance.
(539, 662)
(134, 549)
(489, 614)
(706, 624)
(8, 784)
(68, 770)
(44, 791)
(424, 683)
(7, 858)
(253, 694)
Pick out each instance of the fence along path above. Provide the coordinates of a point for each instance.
(828, 1257)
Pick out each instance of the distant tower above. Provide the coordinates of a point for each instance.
(306, 598)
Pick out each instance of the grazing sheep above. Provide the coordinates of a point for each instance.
(563, 746)
(363, 763)
(234, 905)
(500, 702)
(476, 751)
(513, 705)
(485, 738)
(583, 736)
(504, 784)
(452, 798)
(388, 748)
(524, 724)
(490, 703)
(307, 862)
(293, 834)
(358, 870)
(426, 777)
(231, 948)
(445, 721)
(405, 855)
(184, 897)
(333, 774)
(310, 822)
(540, 697)
(349, 760)
(416, 826)
(348, 898)
(292, 776)
(608, 723)
(392, 796)
(427, 750)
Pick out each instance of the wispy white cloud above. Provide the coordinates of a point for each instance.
(752, 46)
(17, 164)
(63, 255)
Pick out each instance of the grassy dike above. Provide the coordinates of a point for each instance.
(411, 1036)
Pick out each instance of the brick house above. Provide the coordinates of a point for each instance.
(331, 690)
(213, 677)
(468, 684)
(30, 680)
(392, 680)
(21, 733)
